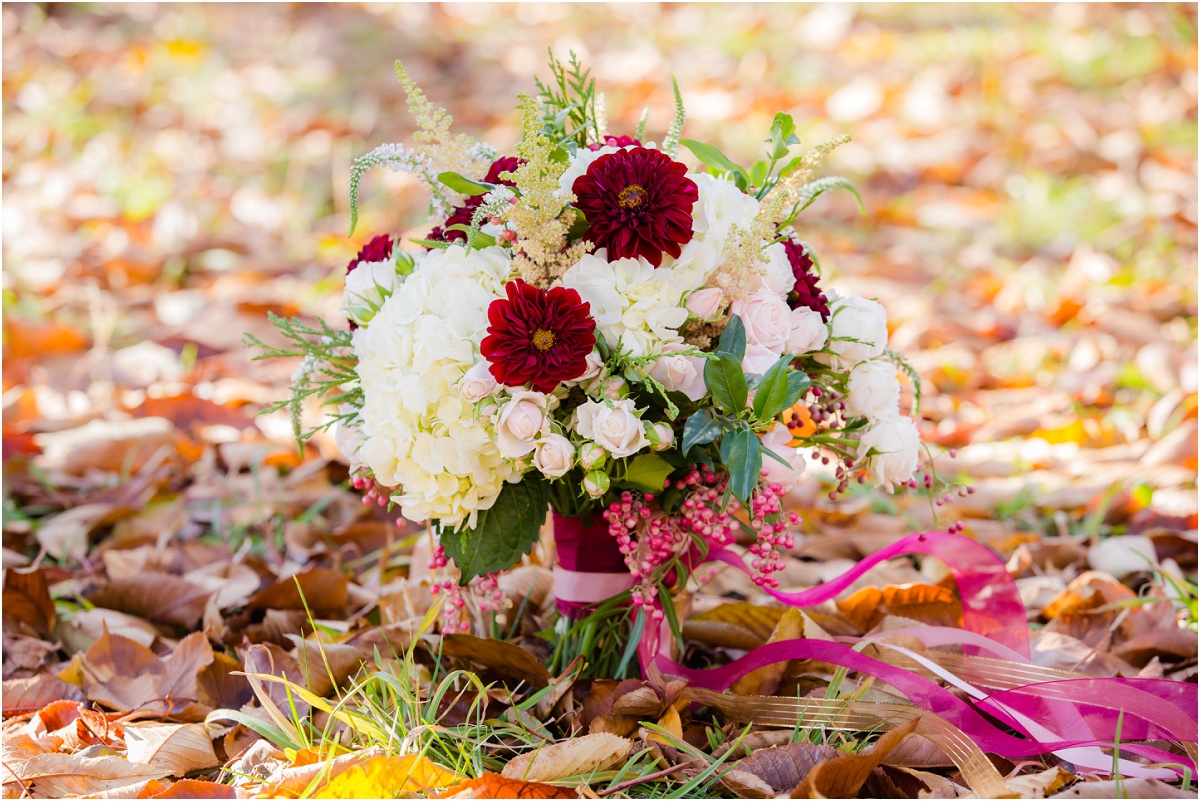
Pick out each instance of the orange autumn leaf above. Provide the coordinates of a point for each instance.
(926, 603)
(37, 339)
(389, 777)
(493, 785)
(195, 788)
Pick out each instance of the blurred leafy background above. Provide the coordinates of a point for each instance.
(171, 172)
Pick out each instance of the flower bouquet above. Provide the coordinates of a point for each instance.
(596, 331)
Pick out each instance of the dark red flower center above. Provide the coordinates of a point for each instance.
(632, 196)
(542, 339)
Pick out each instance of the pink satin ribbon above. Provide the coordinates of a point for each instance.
(577, 587)
(1068, 717)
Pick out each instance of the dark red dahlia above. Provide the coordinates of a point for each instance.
(538, 337)
(378, 249)
(462, 215)
(615, 141)
(638, 202)
(806, 292)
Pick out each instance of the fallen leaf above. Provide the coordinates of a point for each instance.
(1124, 788)
(1039, 784)
(493, 785)
(194, 788)
(925, 603)
(160, 597)
(127, 676)
(844, 775)
(578, 757)
(597, 714)
(34, 693)
(321, 590)
(388, 777)
(503, 657)
(765, 680)
(740, 625)
(893, 781)
(27, 603)
(770, 771)
(177, 748)
(60, 775)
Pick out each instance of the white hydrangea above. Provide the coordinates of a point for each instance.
(368, 285)
(579, 163)
(419, 433)
(720, 206)
(630, 301)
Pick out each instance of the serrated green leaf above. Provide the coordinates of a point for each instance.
(741, 451)
(725, 380)
(648, 472)
(463, 184)
(733, 338)
(700, 429)
(502, 534)
(771, 397)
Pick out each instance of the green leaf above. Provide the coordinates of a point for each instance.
(478, 239)
(700, 429)
(648, 472)
(783, 135)
(771, 397)
(502, 534)
(725, 380)
(460, 183)
(741, 451)
(713, 158)
(733, 338)
(798, 384)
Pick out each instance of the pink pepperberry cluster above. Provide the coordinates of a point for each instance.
(454, 617)
(487, 590)
(770, 524)
(373, 493)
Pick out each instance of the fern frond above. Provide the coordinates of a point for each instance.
(671, 141)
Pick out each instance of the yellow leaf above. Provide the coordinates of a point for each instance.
(670, 722)
(389, 777)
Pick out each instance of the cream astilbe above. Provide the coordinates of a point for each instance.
(541, 216)
(450, 152)
(801, 172)
(740, 274)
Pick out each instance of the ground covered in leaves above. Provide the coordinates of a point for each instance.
(192, 608)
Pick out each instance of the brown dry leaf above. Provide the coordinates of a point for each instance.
(926, 603)
(219, 687)
(19, 747)
(160, 597)
(65, 536)
(1039, 784)
(1125, 788)
(892, 781)
(191, 414)
(35, 692)
(61, 775)
(770, 771)
(27, 604)
(55, 715)
(1173, 645)
(327, 665)
(765, 680)
(577, 757)
(503, 657)
(844, 775)
(323, 589)
(177, 748)
(194, 788)
(85, 627)
(597, 714)
(493, 785)
(127, 676)
(739, 625)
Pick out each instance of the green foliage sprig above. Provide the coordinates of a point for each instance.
(569, 102)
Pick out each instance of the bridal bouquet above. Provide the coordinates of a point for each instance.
(597, 330)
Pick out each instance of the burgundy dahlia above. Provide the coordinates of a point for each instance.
(462, 215)
(638, 202)
(615, 141)
(378, 249)
(538, 337)
(805, 292)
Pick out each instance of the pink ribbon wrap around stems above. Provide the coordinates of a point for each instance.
(1068, 717)
(591, 567)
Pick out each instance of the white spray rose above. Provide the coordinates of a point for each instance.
(895, 440)
(874, 391)
(521, 420)
(776, 440)
(591, 455)
(477, 384)
(706, 304)
(767, 319)
(678, 372)
(367, 286)
(858, 330)
(778, 278)
(553, 455)
(758, 359)
(809, 331)
(615, 428)
(661, 436)
(596, 483)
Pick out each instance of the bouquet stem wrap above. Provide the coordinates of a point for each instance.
(590, 566)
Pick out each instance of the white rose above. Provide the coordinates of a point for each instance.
(678, 372)
(858, 329)
(706, 303)
(596, 483)
(719, 207)
(614, 388)
(591, 455)
(874, 391)
(554, 455)
(809, 331)
(895, 440)
(767, 319)
(778, 278)
(477, 384)
(595, 367)
(661, 436)
(776, 440)
(615, 428)
(367, 286)
(521, 420)
(758, 358)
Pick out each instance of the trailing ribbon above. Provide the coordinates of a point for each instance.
(1051, 713)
